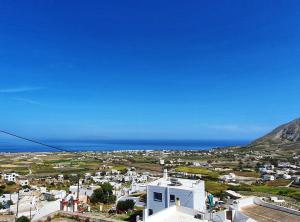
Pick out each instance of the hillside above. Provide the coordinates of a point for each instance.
(286, 136)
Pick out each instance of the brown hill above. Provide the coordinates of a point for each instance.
(286, 136)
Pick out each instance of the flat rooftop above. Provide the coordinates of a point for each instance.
(185, 184)
(264, 214)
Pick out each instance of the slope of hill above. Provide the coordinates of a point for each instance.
(286, 136)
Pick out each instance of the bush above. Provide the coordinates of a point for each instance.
(125, 205)
(9, 183)
(133, 216)
(103, 194)
(10, 202)
(22, 219)
(25, 187)
(242, 187)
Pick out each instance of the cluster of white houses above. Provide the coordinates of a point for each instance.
(284, 170)
(168, 199)
(16, 178)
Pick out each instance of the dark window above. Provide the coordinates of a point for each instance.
(157, 196)
(172, 198)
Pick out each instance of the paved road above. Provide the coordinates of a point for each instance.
(264, 214)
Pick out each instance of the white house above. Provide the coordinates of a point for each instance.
(143, 178)
(137, 187)
(267, 177)
(284, 164)
(297, 180)
(23, 182)
(60, 178)
(165, 192)
(175, 214)
(11, 177)
(287, 176)
(228, 178)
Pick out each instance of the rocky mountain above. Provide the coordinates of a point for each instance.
(286, 136)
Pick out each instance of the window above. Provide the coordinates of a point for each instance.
(172, 198)
(157, 196)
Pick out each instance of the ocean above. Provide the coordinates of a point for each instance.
(114, 145)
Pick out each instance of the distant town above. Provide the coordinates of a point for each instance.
(228, 184)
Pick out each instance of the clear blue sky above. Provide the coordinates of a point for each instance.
(148, 69)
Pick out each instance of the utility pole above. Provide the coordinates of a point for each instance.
(17, 205)
(78, 178)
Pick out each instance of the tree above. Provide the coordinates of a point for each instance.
(10, 202)
(1, 191)
(240, 165)
(23, 219)
(125, 205)
(104, 194)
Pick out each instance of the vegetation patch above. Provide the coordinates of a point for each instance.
(199, 170)
(120, 168)
(215, 188)
(247, 174)
(278, 183)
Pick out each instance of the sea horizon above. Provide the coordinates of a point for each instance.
(117, 145)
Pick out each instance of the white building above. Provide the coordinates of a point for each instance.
(287, 176)
(11, 177)
(137, 187)
(267, 177)
(23, 182)
(60, 178)
(165, 192)
(228, 178)
(175, 214)
(297, 180)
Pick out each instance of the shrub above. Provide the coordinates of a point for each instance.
(10, 202)
(103, 194)
(22, 219)
(125, 205)
(9, 183)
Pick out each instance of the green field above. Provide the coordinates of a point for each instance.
(199, 170)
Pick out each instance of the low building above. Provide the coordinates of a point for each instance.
(267, 177)
(23, 182)
(165, 192)
(174, 214)
(228, 178)
(287, 176)
(10, 177)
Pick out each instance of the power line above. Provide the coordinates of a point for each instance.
(34, 141)
(46, 145)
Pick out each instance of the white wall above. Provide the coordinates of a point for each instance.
(260, 202)
(194, 199)
(243, 202)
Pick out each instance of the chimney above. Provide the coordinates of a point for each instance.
(165, 174)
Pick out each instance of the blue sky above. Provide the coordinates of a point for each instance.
(148, 69)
